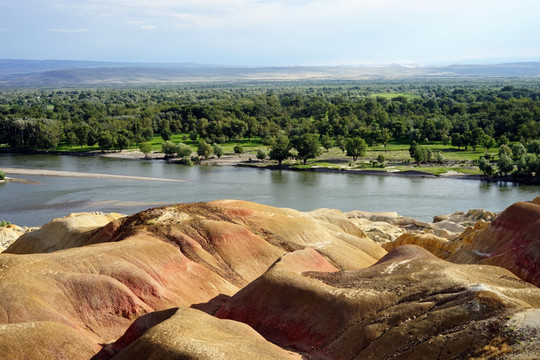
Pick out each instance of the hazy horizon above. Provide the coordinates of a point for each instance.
(272, 32)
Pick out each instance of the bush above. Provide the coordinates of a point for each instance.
(204, 149)
(2, 175)
(381, 160)
(485, 166)
(185, 161)
(527, 164)
(238, 150)
(505, 163)
(146, 148)
(518, 150)
(169, 148)
(261, 154)
(505, 149)
(218, 150)
(183, 150)
(439, 157)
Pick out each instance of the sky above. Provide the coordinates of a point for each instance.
(272, 32)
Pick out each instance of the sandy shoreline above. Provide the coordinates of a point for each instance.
(41, 172)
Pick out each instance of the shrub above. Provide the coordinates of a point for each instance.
(238, 150)
(505, 149)
(185, 161)
(4, 223)
(2, 175)
(505, 163)
(218, 150)
(518, 150)
(146, 148)
(439, 157)
(261, 154)
(485, 166)
(381, 160)
(204, 149)
(183, 150)
(527, 164)
(169, 148)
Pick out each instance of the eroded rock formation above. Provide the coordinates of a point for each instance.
(511, 241)
(410, 304)
(62, 233)
(8, 235)
(177, 256)
(234, 279)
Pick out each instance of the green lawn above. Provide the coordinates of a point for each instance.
(408, 96)
(396, 154)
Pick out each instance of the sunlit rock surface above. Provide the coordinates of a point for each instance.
(511, 241)
(238, 280)
(98, 280)
(8, 235)
(442, 247)
(192, 334)
(62, 233)
(409, 305)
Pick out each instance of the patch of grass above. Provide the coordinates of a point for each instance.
(316, 164)
(76, 148)
(440, 170)
(408, 96)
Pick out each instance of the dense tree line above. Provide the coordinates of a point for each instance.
(462, 114)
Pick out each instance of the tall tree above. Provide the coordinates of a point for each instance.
(356, 147)
(280, 148)
(308, 147)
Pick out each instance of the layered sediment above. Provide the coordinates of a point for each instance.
(234, 279)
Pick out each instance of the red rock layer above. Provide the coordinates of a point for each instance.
(408, 305)
(511, 241)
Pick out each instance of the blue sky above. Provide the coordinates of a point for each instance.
(272, 32)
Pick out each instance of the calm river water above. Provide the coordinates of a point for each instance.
(51, 197)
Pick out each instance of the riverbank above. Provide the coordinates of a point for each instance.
(324, 164)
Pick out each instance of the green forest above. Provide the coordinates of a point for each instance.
(298, 120)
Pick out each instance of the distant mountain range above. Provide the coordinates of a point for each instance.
(65, 73)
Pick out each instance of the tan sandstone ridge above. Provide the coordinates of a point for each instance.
(410, 305)
(69, 231)
(281, 284)
(177, 256)
(8, 235)
(511, 241)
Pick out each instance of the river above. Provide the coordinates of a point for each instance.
(55, 196)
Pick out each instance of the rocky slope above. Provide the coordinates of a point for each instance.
(409, 305)
(8, 235)
(193, 254)
(230, 279)
(511, 241)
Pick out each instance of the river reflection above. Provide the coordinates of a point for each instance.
(421, 198)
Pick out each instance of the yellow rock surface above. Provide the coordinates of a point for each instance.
(97, 273)
(62, 233)
(8, 235)
(191, 334)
